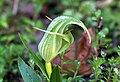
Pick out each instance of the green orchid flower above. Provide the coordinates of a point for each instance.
(57, 38)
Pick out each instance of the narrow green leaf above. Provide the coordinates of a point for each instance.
(68, 62)
(71, 70)
(27, 73)
(55, 76)
(33, 55)
(100, 61)
(77, 63)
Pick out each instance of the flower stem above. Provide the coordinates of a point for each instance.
(48, 67)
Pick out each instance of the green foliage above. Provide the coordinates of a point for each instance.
(106, 42)
(34, 57)
(95, 65)
(27, 73)
(68, 62)
(113, 70)
(38, 6)
(98, 14)
(87, 7)
(103, 33)
(55, 76)
(10, 45)
(7, 61)
(58, 39)
(111, 73)
(76, 77)
(118, 50)
(90, 12)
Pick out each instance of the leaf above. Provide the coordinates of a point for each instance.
(100, 61)
(26, 20)
(69, 79)
(71, 70)
(35, 58)
(77, 63)
(68, 62)
(98, 13)
(91, 63)
(1, 79)
(116, 71)
(99, 71)
(27, 73)
(55, 76)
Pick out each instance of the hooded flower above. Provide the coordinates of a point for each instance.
(59, 39)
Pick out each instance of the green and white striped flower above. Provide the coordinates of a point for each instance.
(52, 44)
(57, 38)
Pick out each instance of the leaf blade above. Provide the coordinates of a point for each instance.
(33, 55)
(55, 76)
(27, 73)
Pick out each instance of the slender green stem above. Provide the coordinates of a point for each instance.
(48, 67)
(95, 72)
(109, 74)
(96, 78)
(75, 74)
(61, 63)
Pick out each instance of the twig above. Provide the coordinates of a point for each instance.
(48, 18)
(100, 24)
(15, 7)
(99, 27)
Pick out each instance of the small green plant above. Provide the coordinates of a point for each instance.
(108, 73)
(113, 70)
(56, 39)
(95, 65)
(10, 24)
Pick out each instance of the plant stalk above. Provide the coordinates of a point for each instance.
(48, 67)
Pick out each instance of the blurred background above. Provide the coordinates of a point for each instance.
(21, 15)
